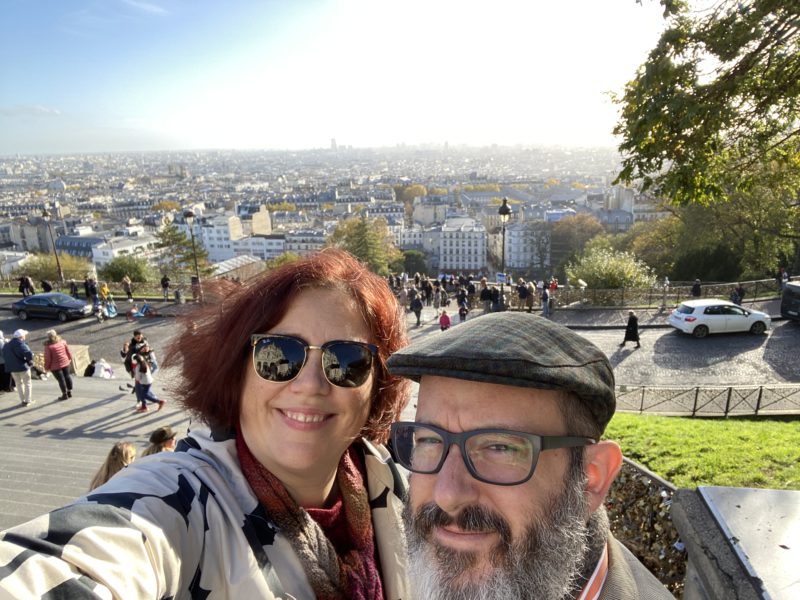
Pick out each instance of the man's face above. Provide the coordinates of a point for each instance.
(469, 539)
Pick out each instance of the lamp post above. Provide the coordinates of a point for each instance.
(188, 216)
(46, 217)
(505, 212)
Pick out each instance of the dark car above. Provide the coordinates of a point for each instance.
(53, 305)
(790, 301)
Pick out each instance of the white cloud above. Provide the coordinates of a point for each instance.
(146, 7)
(30, 110)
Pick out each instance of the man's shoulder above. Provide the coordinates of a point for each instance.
(629, 579)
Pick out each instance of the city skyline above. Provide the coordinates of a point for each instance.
(135, 75)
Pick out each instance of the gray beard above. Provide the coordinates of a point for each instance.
(552, 561)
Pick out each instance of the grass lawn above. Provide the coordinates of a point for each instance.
(738, 452)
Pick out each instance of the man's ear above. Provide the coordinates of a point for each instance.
(602, 462)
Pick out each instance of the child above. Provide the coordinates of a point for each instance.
(444, 321)
(143, 376)
(120, 456)
(462, 312)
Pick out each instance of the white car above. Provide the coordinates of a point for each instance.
(701, 317)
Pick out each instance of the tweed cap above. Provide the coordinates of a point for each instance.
(516, 349)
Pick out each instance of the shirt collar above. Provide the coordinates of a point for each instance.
(593, 587)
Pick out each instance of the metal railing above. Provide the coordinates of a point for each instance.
(710, 401)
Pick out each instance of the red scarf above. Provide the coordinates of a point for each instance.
(352, 572)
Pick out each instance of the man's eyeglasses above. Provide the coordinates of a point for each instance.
(496, 456)
(280, 358)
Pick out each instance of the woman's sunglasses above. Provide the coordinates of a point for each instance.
(280, 358)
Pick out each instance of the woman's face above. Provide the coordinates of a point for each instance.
(300, 429)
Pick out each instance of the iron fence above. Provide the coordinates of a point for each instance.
(710, 401)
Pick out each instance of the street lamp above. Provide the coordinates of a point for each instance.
(188, 216)
(46, 217)
(505, 212)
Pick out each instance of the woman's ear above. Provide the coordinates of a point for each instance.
(602, 462)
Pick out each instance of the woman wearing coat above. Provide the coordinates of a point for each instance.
(283, 489)
(57, 359)
(632, 330)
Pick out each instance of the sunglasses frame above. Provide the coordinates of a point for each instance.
(257, 337)
(449, 439)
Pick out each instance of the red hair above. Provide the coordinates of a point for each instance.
(213, 350)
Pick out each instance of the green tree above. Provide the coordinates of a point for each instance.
(282, 259)
(609, 269)
(718, 95)
(177, 258)
(43, 266)
(138, 269)
(368, 240)
(413, 262)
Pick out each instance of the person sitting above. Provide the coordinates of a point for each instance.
(161, 440)
(120, 456)
(282, 488)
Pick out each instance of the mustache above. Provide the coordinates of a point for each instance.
(470, 518)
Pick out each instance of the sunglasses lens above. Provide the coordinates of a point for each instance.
(346, 364)
(278, 358)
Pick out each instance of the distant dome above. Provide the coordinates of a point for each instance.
(57, 186)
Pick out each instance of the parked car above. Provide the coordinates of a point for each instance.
(54, 305)
(709, 315)
(790, 301)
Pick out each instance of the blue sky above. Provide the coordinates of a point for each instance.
(114, 75)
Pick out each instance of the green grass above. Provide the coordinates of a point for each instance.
(740, 452)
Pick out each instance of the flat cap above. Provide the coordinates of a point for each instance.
(517, 349)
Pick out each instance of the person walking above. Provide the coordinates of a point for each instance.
(696, 289)
(632, 330)
(5, 376)
(416, 308)
(127, 287)
(19, 359)
(73, 288)
(143, 376)
(57, 359)
(545, 302)
(165, 281)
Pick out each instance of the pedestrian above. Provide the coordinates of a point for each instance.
(740, 293)
(416, 308)
(545, 302)
(127, 287)
(485, 296)
(47, 287)
(143, 378)
(93, 292)
(696, 290)
(530, 296)
(282, 488)
(19, 360)
(507, 497)
(86, 285)
(5, 376)
(120, 456)
(57, 360)
(161, 440)
(165, 281)
(73, 288)
(632, 330)
(463, 310)
(779, 278)
(522, 294)
(444, 321)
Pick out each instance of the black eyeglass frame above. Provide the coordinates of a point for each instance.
(257, 337)
(540, 443)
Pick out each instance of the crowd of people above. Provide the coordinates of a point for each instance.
(286, 484)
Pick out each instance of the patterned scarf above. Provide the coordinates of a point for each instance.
(332, 577)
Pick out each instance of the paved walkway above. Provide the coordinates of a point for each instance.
(50, 451)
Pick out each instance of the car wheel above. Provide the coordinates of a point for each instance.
(700, 331)
(22, 315)
(62, 316)
(758, 328)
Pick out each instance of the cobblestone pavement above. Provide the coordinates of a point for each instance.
(49, 451)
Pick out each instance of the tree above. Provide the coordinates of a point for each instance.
(282, 259)
(717, 96)
(569, 236)
(609, 269)
(177, 258)
(413, 262)
(138, 269)
(43, 266)
(167, 206)
(368, 240)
